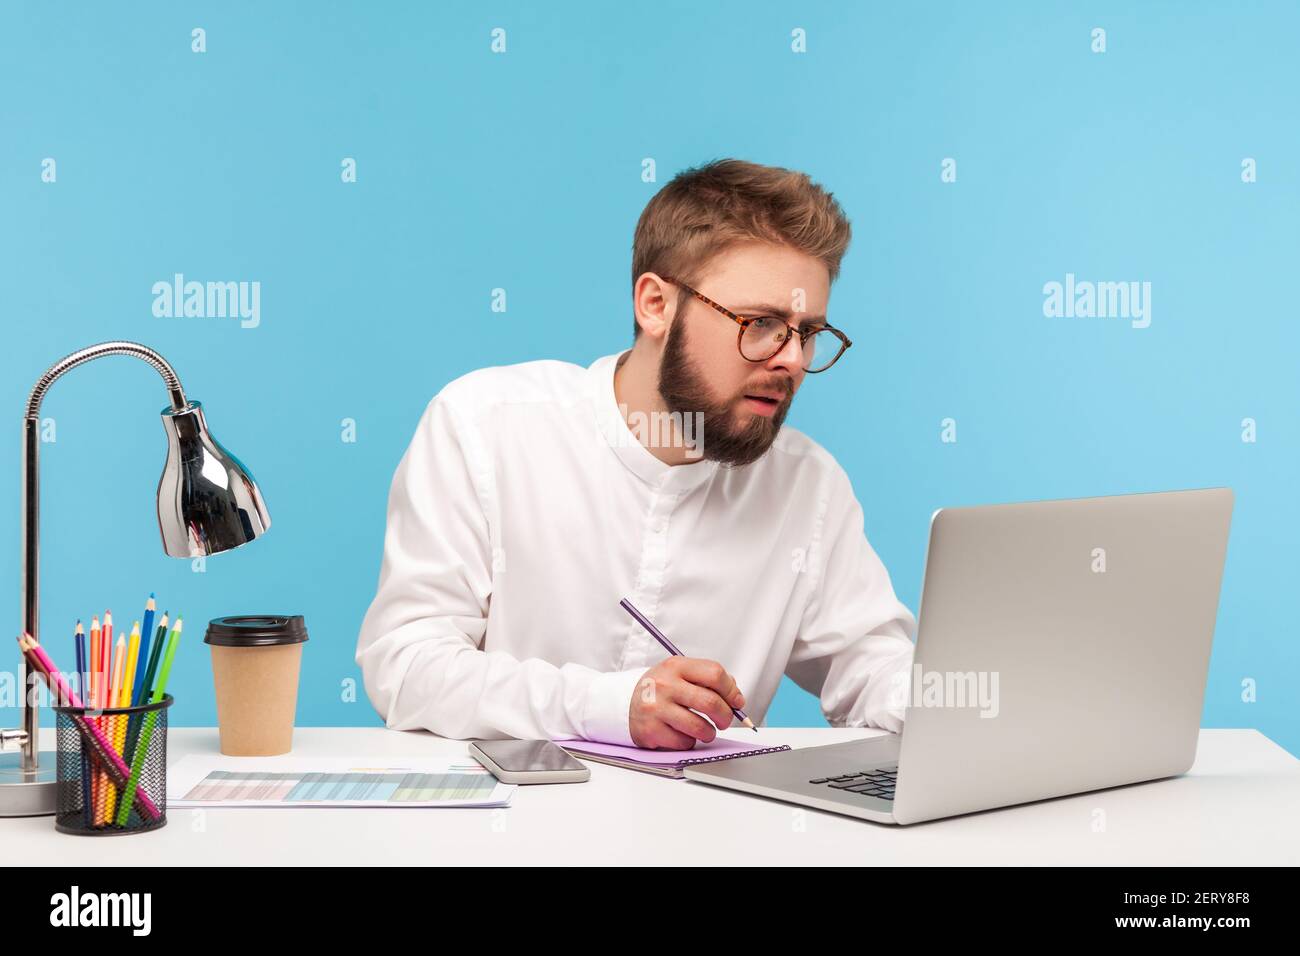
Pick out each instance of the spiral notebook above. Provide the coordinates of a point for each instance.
(666, 763)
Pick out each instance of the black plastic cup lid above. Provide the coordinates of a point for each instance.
(256, 630)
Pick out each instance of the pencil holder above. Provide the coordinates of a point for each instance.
(111, 773)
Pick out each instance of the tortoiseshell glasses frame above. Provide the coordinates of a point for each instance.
(767, 335)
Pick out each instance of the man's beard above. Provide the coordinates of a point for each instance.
(686, 392)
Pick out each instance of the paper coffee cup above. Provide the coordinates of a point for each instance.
(256, 659)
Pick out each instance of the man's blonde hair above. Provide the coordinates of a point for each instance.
(709, 208)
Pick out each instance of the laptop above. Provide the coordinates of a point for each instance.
(1062, 647)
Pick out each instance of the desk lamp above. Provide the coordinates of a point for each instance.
(207, 502)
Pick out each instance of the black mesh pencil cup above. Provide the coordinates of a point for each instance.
(111, 772)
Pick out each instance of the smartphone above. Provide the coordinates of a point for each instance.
(529, 761)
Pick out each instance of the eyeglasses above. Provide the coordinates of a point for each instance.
(762, 336)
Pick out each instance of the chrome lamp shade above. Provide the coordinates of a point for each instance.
(207, 500)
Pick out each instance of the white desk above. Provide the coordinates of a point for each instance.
(1238, 805)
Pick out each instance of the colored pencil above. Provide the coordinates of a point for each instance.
(92, 686)
(146, 730)
(128, 675)
(105, 674)
(114, 692)
(79, 642)
(155, 655)
(125, 698)
(79, 651)
(101, 750)
(146, 634)
(96, 696)
(128, 682)
(165, 668)
(122, 696)
(105, 658)
(146, 685)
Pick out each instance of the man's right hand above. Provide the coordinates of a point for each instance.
(660, 715)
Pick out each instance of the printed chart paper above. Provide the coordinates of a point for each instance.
(202, 781)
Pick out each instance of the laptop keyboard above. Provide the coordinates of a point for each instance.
(876, 782)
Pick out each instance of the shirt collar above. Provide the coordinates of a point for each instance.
(612, 426)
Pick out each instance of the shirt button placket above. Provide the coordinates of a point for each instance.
(640, 646)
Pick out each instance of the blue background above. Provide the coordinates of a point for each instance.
(523, 171)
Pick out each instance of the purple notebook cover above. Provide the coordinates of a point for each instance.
(720, 748)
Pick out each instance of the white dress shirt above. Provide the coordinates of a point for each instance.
(524, 510)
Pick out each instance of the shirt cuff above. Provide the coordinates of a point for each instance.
(609, 701)
(898, 683)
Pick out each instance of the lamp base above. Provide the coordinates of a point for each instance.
(30, 793)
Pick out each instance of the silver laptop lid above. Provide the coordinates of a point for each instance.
(1062, 646)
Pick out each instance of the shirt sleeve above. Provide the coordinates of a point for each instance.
(854, 648)
(421, 645)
